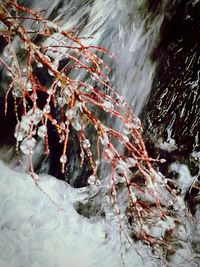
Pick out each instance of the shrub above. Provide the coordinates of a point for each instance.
(77, 91)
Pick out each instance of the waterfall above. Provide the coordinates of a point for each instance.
(125, 28)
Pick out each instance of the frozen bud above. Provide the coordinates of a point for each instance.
(19, 133)
(39, 65)
(121, 100)
(35, 115)
(29, 86)
(63, 159)
(62, 125)
(86, 144)
(17, 92)
(89, 88)
(92, 180)
(70, 114)
(108, 154)
(50, 72)
(47, 109)
(59, 83)
(108, 106)
(50, 91)
(27, 145)
(126, 130)
(47, 58)
(76, 124)
(35, 176)
(60, 101)
(54, 122)
(136, 123)
(95, 76)
(125, 138)
(19, 136)
(42, 131)
(133, 196)
(104, 139)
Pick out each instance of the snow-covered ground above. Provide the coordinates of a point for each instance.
(41, 228)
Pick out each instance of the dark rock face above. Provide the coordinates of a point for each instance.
(175, 98)
(172, 110)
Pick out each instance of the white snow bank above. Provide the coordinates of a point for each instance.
(37, 233)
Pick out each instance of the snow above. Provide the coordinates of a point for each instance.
(185, 180)
(41, 228)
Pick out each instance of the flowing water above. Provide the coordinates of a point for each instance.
(125, 28)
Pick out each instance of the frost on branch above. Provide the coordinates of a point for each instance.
(108, 132)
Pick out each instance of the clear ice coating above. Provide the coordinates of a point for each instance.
(63, 159)
(42, 131)
(27, 145)
(32, 117)
(86, 144)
